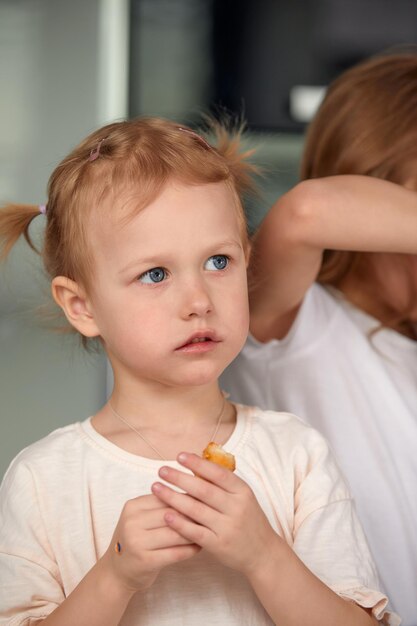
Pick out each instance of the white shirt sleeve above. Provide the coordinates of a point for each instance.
(30, 584)
(328, 537)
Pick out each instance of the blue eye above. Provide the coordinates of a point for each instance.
(155, 275)
(217, 262)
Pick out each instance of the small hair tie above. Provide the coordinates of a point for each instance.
(196, 136)
(42, 209)
(95, 152)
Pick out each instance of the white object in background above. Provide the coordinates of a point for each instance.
(113, 83)
(304, 101)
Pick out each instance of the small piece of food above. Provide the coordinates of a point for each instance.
(215, 453)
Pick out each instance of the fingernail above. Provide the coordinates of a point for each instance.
(182, 458)
(156, 487)
(163, 471)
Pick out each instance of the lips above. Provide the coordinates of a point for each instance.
(199, 338)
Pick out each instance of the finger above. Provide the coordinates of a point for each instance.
(150, 501)
(168, 556)
(197, 487)
(165, 537)
(143, 503)
(210, 471)
(152, 519)
(195, 533)
(188, 506)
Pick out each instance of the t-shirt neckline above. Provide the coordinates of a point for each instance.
(107, 446)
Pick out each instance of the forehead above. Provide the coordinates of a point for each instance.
(181, 215)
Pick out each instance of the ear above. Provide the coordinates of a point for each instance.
(73, 301)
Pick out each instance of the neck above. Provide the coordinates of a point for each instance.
(167, 423)
(363, 299)
(156, 408)
(368, 299)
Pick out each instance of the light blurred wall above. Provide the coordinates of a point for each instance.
(57, 63)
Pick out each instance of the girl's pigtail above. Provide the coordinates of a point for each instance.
(228, 142)
(14, 222)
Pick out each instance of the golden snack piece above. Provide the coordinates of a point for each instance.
(215, 453)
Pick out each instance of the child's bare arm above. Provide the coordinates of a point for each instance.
(220, 512)
(292, 595)
(98, 600)
(147, 546)
(341, 213)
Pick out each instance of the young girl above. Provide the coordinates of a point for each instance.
(341, 352)
(117, 519)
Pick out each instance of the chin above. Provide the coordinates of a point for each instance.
(199, 376)
(197, 381)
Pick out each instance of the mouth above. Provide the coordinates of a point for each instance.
(200, 339)
(199, 342)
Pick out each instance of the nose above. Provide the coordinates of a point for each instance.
(196, 300)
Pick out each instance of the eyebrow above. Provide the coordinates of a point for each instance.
(155, 261)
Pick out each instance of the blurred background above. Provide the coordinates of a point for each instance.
(69, 67)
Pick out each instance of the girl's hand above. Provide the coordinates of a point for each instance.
(218, 512)
(147, 544)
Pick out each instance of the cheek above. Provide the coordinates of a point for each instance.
(239, 304)
(129, 325)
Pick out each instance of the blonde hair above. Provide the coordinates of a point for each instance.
(367, 125)
(140, 154)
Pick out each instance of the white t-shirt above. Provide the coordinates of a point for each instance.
(62, 496)
(361, 393)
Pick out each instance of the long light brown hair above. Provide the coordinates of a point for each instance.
(367, 125)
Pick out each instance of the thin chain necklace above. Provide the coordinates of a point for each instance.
(148, 443)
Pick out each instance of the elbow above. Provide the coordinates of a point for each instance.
(298, 214)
